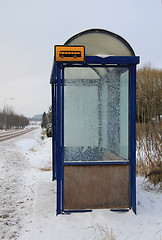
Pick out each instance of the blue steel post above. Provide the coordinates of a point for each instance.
(130, 137)
(53, 133)
(62, 138)
(58, 139)
(55, 100)
(134, 138)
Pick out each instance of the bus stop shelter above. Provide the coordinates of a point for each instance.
(93, 84)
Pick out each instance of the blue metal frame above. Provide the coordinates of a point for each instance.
(130, 137)
(96, 163)
(53, 91)
(57, 78)
(77, 211)
(58, 140)
(62, 146)
(53, 133)
(112, 60)
(133, 142)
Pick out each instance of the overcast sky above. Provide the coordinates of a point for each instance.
(30, 28)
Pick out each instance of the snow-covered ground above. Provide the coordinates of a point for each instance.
(28, 201)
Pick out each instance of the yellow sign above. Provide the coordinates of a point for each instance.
(69, 53)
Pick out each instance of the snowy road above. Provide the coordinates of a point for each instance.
(13, 133)
(28, 201)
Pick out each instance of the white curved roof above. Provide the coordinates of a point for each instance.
(99, 42)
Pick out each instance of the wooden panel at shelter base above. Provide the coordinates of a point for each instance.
(96, 186)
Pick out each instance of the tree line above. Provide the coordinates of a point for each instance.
(148, 127)
(10, 120)
(148, 95)
(46, 118)
(47, 122)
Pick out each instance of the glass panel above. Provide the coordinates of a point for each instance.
(96, 114)
(81, 123)
(124, 115)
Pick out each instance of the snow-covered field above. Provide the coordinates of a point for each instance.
(28, 201)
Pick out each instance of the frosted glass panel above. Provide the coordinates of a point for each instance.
(81, 109)
(124, 115)
(96, 114)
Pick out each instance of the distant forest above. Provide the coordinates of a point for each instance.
(10, 120)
